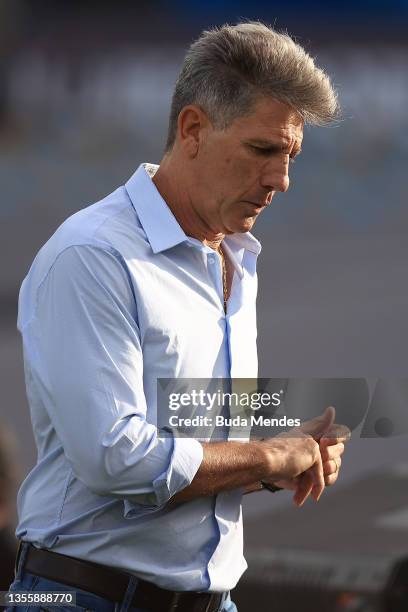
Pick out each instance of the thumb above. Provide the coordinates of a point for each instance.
(319, 425)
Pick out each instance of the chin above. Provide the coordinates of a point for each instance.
(242, 225)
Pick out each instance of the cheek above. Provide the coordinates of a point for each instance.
(213, 165)
(238, 171)
(227, 174)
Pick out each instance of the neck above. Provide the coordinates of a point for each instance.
(173, 186)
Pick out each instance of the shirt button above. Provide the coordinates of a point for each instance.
(211, 260)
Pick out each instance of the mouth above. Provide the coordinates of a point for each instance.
(256, 205)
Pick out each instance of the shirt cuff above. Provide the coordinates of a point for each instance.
(185, 461)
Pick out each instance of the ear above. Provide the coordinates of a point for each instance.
(191, 127)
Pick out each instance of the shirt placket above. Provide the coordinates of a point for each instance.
(214, 267)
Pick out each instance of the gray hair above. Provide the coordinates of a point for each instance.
(227, 68)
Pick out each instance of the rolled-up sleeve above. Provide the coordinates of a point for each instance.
(90, 368)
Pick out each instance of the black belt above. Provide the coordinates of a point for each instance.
(112, 584)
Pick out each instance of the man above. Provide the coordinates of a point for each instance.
(158, 280)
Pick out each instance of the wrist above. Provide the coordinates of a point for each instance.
(261, 461)
(253, 487)
(273, 459)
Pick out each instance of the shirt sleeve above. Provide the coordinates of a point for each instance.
(90, 357)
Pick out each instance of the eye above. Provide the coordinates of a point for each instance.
(263, 151)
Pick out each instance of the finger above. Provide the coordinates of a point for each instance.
(331, 479)
(332, 452)
(336, 433)
(331, 467)
(319, 425)
(326, 442)
(318, 478)
(303, 490)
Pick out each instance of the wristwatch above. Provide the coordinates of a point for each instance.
(272, 488)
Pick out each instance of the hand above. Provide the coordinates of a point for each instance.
(331, 448)
(299, 452)
(331, 445)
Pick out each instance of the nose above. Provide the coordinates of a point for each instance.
(275, 178)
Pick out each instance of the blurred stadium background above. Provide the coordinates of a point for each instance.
(85, 89)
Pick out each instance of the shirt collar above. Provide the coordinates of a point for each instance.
(160, 225)
(245, 241)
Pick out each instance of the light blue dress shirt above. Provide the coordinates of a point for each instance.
(118, 297)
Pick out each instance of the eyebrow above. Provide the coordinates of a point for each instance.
(268, 144)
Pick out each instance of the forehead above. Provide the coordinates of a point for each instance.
(271, 120)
